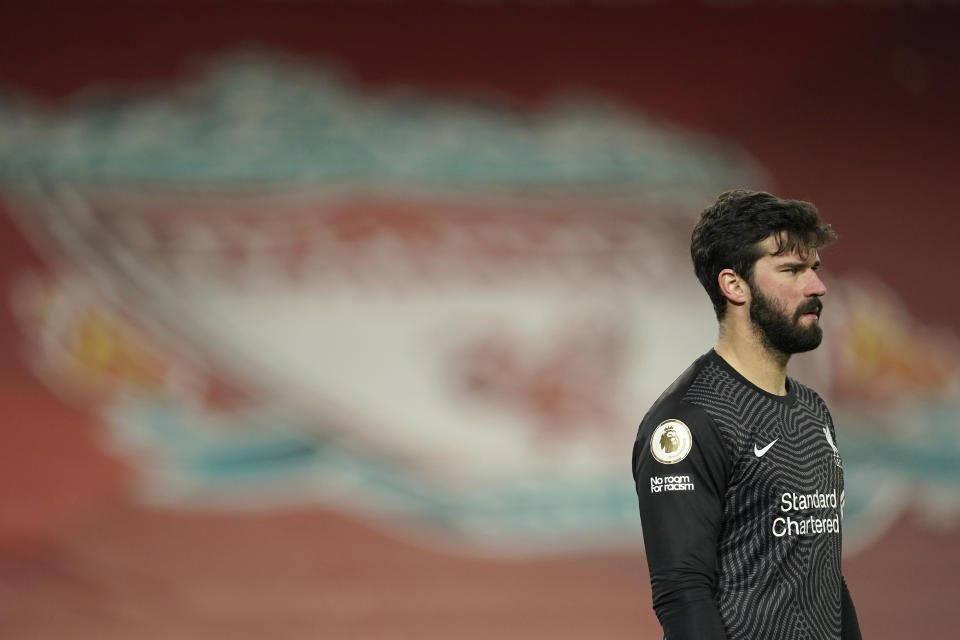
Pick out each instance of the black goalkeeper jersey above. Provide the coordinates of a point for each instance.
(741, 501)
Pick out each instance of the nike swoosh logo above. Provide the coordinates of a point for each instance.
(761, 452)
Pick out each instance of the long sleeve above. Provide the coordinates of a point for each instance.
(681, 505)
(849, 625)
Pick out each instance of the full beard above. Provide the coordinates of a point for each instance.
(779, 331)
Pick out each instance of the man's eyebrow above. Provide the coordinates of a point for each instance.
(798, 264)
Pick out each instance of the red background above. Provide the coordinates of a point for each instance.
(852, 108)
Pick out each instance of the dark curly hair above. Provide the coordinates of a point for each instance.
(730, 230)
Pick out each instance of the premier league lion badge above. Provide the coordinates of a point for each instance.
(671, 441)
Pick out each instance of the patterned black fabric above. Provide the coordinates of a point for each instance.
(763, 486)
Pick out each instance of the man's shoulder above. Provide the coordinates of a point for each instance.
(682, 421)
(672, 403)
(806, 394)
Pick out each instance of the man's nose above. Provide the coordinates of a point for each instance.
(815, 286)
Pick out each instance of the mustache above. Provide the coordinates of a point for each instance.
(814, 305)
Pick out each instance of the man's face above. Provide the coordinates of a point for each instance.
(785, 305)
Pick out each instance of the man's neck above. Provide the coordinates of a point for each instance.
(755, 361)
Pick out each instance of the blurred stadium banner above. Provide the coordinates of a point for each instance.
(271, 287)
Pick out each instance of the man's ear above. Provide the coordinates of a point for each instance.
(733, 287)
